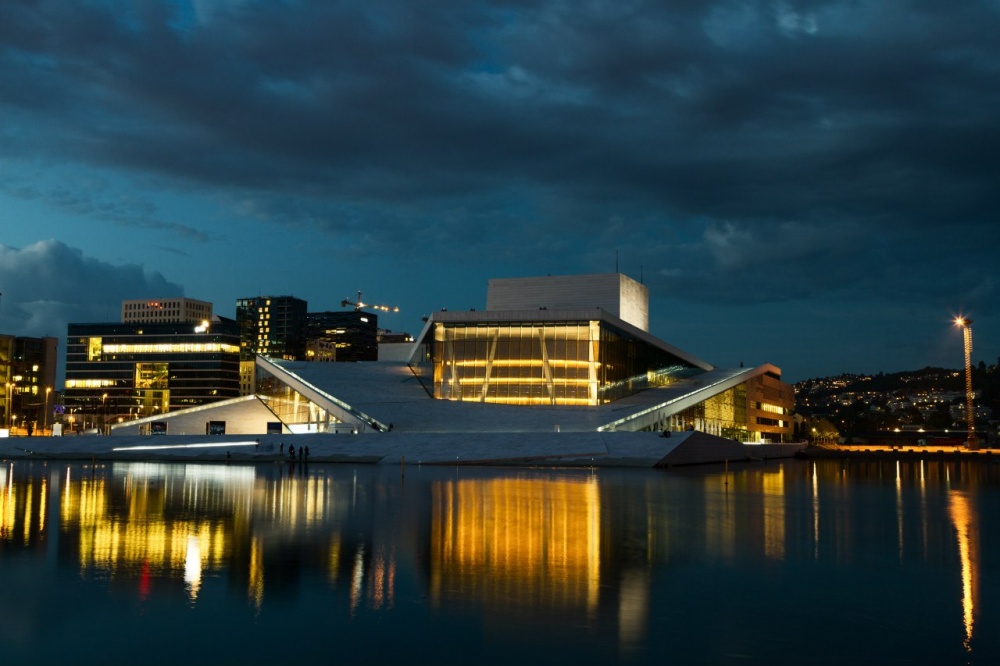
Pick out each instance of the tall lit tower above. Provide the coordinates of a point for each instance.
(970, 413)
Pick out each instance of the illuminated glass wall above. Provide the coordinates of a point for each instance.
(758, 410)
(296, 411)
(723, 414)
(555, 363)
(118, 372)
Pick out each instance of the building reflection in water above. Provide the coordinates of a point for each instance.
(24, 508)
(162, 521)
(178, 525)
(520, 547)
(773, 492)
(515, 542)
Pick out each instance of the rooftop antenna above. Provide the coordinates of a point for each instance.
(616, 261)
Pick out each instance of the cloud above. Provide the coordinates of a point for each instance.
(93, 195)
(760, 152)
(48, 284)
(366, 104)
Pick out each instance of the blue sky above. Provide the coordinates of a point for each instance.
(806, 183)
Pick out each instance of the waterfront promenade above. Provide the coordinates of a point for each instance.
(593, 449)
(883, 452)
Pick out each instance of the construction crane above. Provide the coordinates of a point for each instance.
(358, 304)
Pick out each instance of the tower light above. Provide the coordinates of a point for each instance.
(970, 415)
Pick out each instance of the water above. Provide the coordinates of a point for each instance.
(773, 563)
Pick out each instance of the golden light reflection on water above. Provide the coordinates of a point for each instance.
(966, 529)
(517, 542)
(8, 503)
(141, 534)
(519, 545)
(815, 507)
(899, 512)
(255, 581)
(773, 488)
(720, 520)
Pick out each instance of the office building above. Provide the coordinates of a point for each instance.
(119, 372)
(28, 373)
(272, 326)
(350, 335)
(166, 311)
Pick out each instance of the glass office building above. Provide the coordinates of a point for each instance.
(343, 336)
(273, 326)
(117, 372)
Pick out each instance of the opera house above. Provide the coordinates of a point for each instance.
(554, 354)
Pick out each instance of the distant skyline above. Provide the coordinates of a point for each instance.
(806, 183)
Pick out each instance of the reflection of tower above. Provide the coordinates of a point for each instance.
(970, 413)
(963, 516)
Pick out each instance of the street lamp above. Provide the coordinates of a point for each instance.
(970, 415)
(45, 414)
(10, 404)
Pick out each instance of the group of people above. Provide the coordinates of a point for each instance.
(303, 451)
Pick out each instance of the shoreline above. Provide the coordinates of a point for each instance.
(580, 449)
(908, 453)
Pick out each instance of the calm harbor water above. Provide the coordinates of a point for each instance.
(788, 562)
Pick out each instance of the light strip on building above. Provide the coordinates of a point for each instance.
(171, 348)
(523, 363)
(160, 447)
(478, 381)
(531, 401)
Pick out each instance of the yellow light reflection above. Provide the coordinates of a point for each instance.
(146, 537)
(383, 580)
(899, 510)
(27, 514)
(963, 516)
(192, 566)
(517, 542)
(7, 505)
(773, 487)
(255, 585)
(633, 609)
(357, 578)
(333, 563)
(815, 497)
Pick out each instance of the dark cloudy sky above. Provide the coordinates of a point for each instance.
(807, 183)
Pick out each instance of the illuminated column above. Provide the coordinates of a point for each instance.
(970, 413)
(593, 361)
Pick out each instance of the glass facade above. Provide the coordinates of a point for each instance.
(542, 363)
(342, 336)
(294, 410)
(756, 411)
(126, 371)
(723, 414)
(273, 326)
